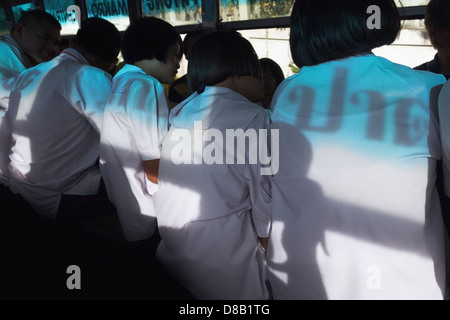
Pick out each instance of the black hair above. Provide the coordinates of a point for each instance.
(37, 16)
(192, 35)
(148, 38)
(273, 67)
(99, 37)
(218, 55)
(437, 15)
(325, 30)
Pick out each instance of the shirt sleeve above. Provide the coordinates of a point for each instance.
(148, 116)
(10, 64)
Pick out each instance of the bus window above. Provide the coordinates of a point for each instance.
(115, 11)
(3, 22)
(19, 9)
(235, 10)
(58, 9)
(176, 12)
(412, 46)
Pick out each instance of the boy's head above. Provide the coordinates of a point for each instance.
(437, 22)
(38, 35)
(154, 45)
(325, 30)
(219, 55)
(99, 41)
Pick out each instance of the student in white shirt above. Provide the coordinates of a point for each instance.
(34, 39)
(213, 202)
(54, 117)
(135, 122)
(355, 210)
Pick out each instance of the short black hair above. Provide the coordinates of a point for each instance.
(192, 35)
(273, 67)
(218, 55)
(148, 38)
(325, 30)
(37, 16)
(99, 37)
(437, 15)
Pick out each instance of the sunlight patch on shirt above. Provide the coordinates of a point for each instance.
(351, 177)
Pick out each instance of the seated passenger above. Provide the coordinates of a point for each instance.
(213, 204)
(34, 39)
(54, 117)
(355, 210)
(135, 122)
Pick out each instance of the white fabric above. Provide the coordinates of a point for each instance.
(356, 214)
(134, 125)
(210, 215)
(55, 113)
(12, 62)
(13, 59)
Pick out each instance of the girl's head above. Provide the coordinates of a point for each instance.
(223, 55)
(154, 45)
(325, 30)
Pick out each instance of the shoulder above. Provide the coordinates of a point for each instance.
(86, 74)
(416, 78)
(137, 81)
(6, 48)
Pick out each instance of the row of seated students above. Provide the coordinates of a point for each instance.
(333, 196)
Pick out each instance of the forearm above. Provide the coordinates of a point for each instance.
(151, 168)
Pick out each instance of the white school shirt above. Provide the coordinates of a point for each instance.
(55, 114)
(134, 125)
(13, 61)
(355, 210)
(210, 214)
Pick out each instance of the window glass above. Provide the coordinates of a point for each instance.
(3, 22)
(411, 3)
(17, 10)
(115, 11)
(68, 20)
(236, 10)
(411, 48)
(176, 12)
